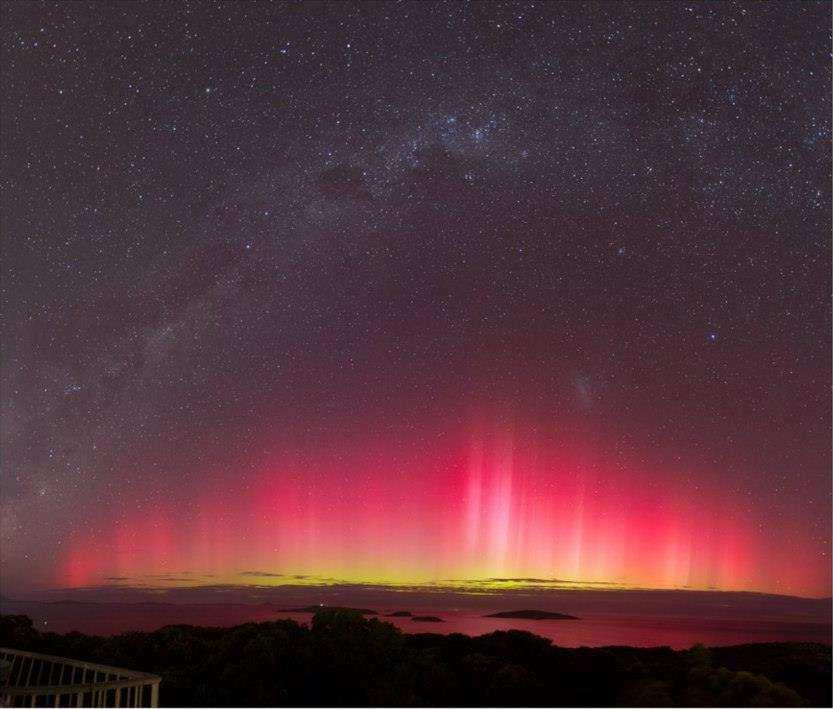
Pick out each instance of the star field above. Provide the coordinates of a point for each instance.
(282, 270)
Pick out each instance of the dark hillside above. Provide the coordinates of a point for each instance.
(344, 659)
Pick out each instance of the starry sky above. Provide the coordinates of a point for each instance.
(416, 293)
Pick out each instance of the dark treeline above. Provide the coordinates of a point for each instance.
(344, 659)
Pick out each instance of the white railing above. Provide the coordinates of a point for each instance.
(35, 680)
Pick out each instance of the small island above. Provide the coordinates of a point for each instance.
(400, 614)
(532, 615)
(427, 619)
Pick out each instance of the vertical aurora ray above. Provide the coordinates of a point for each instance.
(492, 502)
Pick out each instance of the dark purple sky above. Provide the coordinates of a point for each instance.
(241, 230)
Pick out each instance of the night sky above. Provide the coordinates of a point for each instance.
(416, 293)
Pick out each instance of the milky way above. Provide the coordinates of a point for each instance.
(416, 293)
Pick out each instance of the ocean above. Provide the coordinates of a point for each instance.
(678, 630)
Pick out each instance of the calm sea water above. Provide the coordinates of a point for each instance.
(593, 629)
(644, 631)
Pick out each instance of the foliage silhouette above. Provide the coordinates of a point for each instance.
(345, 659)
